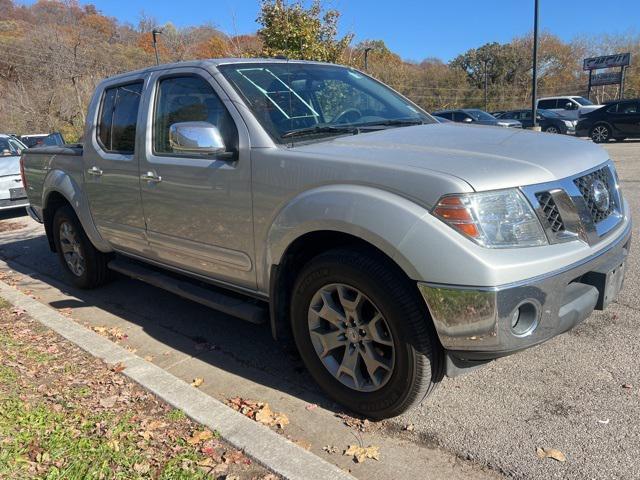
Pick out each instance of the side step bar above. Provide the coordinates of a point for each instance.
(229, 303)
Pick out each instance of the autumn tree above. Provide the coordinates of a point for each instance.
(295, 31)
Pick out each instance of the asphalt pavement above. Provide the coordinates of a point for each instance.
(578, 393)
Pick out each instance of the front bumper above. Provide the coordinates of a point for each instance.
(474, 324)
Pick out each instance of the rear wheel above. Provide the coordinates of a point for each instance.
(84, 265)
(600, 133)
(364, 333)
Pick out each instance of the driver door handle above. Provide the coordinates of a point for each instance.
(151, 177)
(95, 171)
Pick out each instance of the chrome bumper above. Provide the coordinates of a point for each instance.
(474, 324)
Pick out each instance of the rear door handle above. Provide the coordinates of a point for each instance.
(95, 171)
(151, 177)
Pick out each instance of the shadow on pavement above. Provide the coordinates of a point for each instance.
(225, 342)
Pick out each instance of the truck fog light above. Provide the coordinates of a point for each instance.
(524, 319)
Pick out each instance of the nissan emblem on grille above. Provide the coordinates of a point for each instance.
(594, 188)
(600, 195)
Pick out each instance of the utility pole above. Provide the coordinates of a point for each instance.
(366, 58)
(534, 79)
(155, 32)
(486, 86)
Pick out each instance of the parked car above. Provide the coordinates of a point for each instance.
(391, 248)
(550, 122)
(12, 194)
(42, 139)
(479, 117)
(570, 106)
(618, 120)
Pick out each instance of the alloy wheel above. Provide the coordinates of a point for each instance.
(71, 249)
(552, 130)
(351, 337)
(600, 134)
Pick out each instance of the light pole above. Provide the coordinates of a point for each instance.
(534, 77)
(155, 32)
(366, 58)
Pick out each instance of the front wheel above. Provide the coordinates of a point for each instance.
(84, 265)
(600, 134)
(552, 129)
(364, 333)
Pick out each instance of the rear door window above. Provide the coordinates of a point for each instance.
(118, 118)
(552, 103)
(628, 108)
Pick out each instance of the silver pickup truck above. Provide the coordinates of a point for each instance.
(391, 248)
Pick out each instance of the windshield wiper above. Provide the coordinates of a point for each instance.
(300, 132)
(398, 122)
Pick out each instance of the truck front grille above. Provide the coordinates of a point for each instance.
(551, 212)
(585, 185)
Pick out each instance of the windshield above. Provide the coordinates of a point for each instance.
(582, 101)
(548, 113)
(314, 99)
(10, 147)
(480, 115)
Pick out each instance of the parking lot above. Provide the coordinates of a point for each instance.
(579, 393)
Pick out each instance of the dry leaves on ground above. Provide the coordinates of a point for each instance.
(197, 382)
(258, 411)
(360, 454)
(551, 453)
(199, 437)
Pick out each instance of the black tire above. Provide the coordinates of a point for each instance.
(419, 359)
(552, 129)
(95, 271)
(600, 133)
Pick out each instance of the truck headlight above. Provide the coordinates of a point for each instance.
(496, 219)
(570, 123)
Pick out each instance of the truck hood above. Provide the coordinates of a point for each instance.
(487, 158)
(9, 166)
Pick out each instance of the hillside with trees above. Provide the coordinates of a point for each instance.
(55, 52)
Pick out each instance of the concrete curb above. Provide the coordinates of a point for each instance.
(267, 447)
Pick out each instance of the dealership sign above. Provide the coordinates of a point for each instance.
(608, 78)
(607, 61)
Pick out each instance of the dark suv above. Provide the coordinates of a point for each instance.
(550, 122)
(618, 120)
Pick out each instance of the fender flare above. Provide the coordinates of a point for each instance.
(57, 181)
(381, 218)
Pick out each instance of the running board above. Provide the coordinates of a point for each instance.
(229, 303)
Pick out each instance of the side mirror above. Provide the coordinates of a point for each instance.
(467, 120)
(196, 137)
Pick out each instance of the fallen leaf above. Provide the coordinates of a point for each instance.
(304, 444)
(108, 402)
(118, 367)
(100, 330)
(410, 428)
(360, 454)
(114, 445)
(197, 382)
(149, 358)
(264, 415)
(628, 386)
(199, 437)
(311, 406)
(142, 468)
(551, 453)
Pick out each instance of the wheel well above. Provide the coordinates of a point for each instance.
(297, 255)
(54, 201)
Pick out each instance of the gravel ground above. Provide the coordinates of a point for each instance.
(570, 394)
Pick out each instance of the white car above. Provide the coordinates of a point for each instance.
(12, 194)
(569, 106)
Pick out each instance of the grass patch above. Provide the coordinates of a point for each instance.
(4, 304)
(176, 415)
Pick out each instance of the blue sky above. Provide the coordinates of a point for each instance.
(415, 29)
